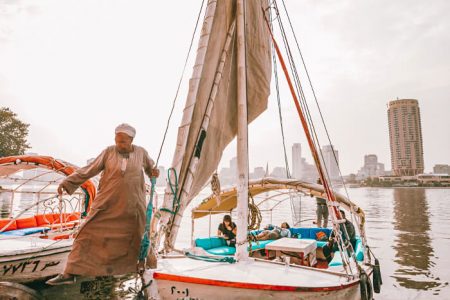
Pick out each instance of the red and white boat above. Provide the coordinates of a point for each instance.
(229, 88)
(37, 234)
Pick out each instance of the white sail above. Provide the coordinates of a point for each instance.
(209, 121)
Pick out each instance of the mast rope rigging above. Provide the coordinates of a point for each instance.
(296, 77)
(254, 214)
(314, 95)
(303, 98)
(179, 83)
(215, 186)
(336, 214)
(277, 88)
(174, 191)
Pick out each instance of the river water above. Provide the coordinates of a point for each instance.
(408, 229)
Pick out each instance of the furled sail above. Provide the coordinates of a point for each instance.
(209, 121)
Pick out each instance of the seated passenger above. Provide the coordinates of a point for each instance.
(331, 246)
(271, 232)
(227, 230)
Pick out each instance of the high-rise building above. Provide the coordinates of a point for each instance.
(405, 135)
(296, 160)
(331, 161)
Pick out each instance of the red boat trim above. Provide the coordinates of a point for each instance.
(254, 286)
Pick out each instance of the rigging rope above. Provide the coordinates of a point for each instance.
(277, 88)
(174, 191)
(180, 81)
(314, 95)
(227, 259)
(254, 215)
(215, 187)
(294, 71)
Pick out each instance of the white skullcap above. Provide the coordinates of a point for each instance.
(127, 129)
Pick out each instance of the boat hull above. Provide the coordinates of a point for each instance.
(35, 264)
(176, 290)
(181, 278)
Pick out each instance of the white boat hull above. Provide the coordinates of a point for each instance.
(179, 278)
(33, 260)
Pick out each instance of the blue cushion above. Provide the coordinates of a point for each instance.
(223, 250)
(212, 242)
(26, 231)
(304, 232)
(314, 231)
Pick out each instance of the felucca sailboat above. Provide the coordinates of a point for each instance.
(229, 88)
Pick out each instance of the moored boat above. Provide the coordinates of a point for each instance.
(228, 89)
(37, 234)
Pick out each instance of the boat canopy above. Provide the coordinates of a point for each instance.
(11, 165)
(228, 197)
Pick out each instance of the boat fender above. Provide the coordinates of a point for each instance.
(377, 281)
(365, 286)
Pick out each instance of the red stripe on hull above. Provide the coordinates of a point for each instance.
(243, 285)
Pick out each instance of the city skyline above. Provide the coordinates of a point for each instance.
(80, 86)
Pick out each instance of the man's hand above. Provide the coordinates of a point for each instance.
(61, 189)
(155, 172)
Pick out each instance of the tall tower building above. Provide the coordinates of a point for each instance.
(296, 160)
(405, 135)
(331, 163)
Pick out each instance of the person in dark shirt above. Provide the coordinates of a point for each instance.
(227, 230)
(331, 246)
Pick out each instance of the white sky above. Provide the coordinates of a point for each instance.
(74, 70)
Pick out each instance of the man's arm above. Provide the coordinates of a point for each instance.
(149, 166)
(72, 182)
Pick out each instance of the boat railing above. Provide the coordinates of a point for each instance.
(66, 208)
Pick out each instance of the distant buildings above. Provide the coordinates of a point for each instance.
(279, 172)
(258, 172)
(228, 175)
(331, 161)
(301, 169)
(405, 135)
(441, 169)
(371, 168)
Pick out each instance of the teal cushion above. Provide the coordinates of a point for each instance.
(260, 245)
(212, 242)
(224, 250)
(359, 251)
(336, 261)
(320, 244)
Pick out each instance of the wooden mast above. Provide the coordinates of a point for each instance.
(242, 137)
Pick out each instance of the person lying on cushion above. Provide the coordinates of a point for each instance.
(271, 232)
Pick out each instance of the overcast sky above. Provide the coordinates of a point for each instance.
(74, 70)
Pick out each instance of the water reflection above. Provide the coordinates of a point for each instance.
(413, 244)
